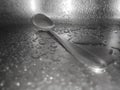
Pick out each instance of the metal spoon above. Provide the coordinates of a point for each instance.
(83, 56)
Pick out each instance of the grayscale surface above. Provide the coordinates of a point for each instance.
(33, 60)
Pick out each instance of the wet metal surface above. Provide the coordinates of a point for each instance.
(33, 60)
(83, 12)
(81, 54)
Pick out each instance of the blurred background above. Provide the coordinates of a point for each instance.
(70, 11)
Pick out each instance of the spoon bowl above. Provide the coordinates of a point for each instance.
(43, 22)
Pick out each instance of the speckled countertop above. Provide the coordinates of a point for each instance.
(33, 60)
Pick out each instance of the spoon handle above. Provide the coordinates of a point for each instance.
(83, 56)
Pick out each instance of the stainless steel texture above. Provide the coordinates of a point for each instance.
(80, 54)
(27, 61)
(33, 60)
(83, 56)
(85, 12)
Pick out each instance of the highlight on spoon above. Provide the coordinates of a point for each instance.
(42, 21)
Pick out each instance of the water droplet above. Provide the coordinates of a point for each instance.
(52, 50)
(17, 84)
(41, 59)
(105, 41)
(63, 83)
(115, 31)
(45, 79)
(16, 66)
(58, 75)
(29, 83)
(70, 83)
(25, 68)
(2, 84)
(42, 42)
(66, 31)
(43, 72)
(55, 87)
(78, 88)
(51, 78)
(38, 46)
(97, 70)
(35, 54)
(63, 80)
(115, 63)
(7, 68)
(34, 64)
(54, 45)
(34, 38)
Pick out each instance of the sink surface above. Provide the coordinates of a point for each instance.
(33, 60)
